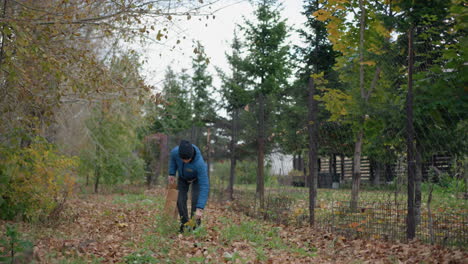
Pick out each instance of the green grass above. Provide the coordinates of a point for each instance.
(381, 210)
(141, 257)
(441, 199)
(259, 236)
(200, 232)
(53, 258)
(158, 239)
(137, 198)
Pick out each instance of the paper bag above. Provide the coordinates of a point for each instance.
(170, 208)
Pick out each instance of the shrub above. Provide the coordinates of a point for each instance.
(246, 172)
(34, 181)
(14, 249)
(221, 170)
(110, 157)
(450, 185)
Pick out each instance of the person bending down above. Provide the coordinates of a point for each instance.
(186, 159)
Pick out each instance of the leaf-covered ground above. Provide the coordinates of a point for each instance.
(131, 229)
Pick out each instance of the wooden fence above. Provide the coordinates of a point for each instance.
(340, 169)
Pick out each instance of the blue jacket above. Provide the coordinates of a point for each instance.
(189, 171)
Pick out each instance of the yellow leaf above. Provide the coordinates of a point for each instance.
(368, 63)
(382, 30)
(322, 15)
(159, 35)
(192, 223)
(122, 225)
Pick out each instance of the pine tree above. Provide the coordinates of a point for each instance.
(268, 68)
(203, 111)
(174, 115)
(317, 56)
(235, 98)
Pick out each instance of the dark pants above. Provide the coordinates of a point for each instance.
(183, 188)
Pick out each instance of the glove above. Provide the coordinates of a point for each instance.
(198, 213)
(171, 179)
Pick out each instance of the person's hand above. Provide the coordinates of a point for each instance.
(198, 213)
(171, 179)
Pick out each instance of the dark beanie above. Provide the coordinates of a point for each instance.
(185, 150)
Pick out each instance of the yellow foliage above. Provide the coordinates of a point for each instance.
(298, 212)
(39, 179)
(191, 223)
(336, 3)
(375, 49)
(319, 80)
(368, 63)
(322, 15)
(381, 30)
(335, 102)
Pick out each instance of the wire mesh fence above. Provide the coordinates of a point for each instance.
(363, 133)
(384, 218)
(382, 208)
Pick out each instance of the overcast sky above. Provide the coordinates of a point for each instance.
(214, 34)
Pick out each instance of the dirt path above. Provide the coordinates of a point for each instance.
(131, 229)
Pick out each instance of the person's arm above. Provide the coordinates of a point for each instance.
(204, 185)
(172, 168)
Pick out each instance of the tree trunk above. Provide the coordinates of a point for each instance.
(208, 154)
(334, 174)
(150, 168)
(304, 168)
(98, 164)
(261, 151)
(232, 173)
(319, 179)
(389, 174)
(149, 174)
(300, 162)
(411, 223)
(97, 169)
(417, 187)
(465, 175)
(194, 135)
(164, 154)
(96, 184)
(358, 145)
(157, 171)
(342, 168)
(294, 162)
(313, 157)
(356, 172)
(377, 172)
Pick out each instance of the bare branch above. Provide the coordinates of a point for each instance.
(374, 82)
